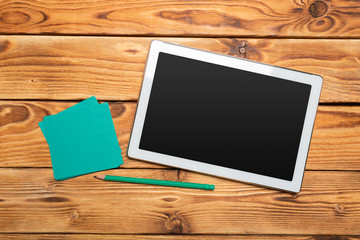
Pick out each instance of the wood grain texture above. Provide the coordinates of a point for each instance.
(335, 144)
(316, 36)
(296, 18)
(32, 201)
(168, 237)
(72, 68)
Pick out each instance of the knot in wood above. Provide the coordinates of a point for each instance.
(176, 224)
(74, 215)
(339, 208)
(318, 9)
(14, 17)
(13, 113)
(4, 45)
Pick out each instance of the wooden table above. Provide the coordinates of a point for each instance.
(54, 54)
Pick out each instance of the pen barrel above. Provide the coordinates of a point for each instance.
(160, 182)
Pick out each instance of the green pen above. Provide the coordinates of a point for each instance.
(156, 182)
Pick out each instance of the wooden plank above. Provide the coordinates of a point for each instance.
(335, 144)
(168, 237)
(68, 68)
(33, 202)
(201, 18)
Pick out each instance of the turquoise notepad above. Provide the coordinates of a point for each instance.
(86, 103)
(82, 139)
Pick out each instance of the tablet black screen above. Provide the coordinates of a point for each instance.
(225, 116)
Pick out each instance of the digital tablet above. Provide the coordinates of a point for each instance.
(225, 116)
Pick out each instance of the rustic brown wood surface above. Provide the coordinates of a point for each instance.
(30, 236)
(85, 204)
(335, 143)
(55, 53)
(296, 18)
(111, 68)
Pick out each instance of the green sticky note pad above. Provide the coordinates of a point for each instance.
(90, 102)
(82, 139)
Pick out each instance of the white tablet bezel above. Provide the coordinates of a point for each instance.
(314, 80)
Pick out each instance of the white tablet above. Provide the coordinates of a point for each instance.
(225, 116)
